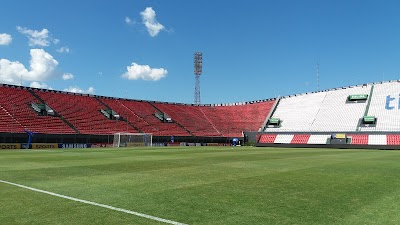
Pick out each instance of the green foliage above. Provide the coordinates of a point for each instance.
(203, 185)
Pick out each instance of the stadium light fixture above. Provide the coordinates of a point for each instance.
(198, 70)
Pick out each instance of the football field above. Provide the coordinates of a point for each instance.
(200, 185)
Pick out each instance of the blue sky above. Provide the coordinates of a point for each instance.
(251, 49)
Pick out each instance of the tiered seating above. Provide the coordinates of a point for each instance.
(267, 138)
(8, 123)
(141, 115)
(190, 117)
(377, 139)
(15, 102)
(300, 139)
(297, 113)
(227, 121)
(337, 115)
(323, 112)
(283, 138)
(318, 139)
(385, 107)
(359, 139)
(294, 138)
(393, 139)
(356, 139)
(233, 120)
(84, 113)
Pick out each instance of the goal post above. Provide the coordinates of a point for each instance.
(132, 139)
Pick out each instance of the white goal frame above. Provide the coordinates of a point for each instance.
(122, 139)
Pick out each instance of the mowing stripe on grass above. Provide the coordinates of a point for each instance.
(95, 204)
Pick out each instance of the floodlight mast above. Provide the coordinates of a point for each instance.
(317, 76)
(198, 69)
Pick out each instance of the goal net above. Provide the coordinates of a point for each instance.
(132, 140)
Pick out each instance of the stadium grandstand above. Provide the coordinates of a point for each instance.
(362, 115)
(65, 117)
(353, 116)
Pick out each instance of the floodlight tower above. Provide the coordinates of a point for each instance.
(198, 69)
(317, 76)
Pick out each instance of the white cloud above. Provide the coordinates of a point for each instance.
(145, 72)
(11, 72)
(67, 76)
(36, 84)
(63, 50)
(90, 90)
(76, 89)
(5, 39)
(42, 67)
(38, 38)
(150, 21)
(129, 21)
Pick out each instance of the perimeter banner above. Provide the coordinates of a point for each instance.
(74, 145)
(138, 144)
(4, 146)
(44, 145)
(101, 145)
(212, 144)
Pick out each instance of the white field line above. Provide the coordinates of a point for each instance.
(95, 204)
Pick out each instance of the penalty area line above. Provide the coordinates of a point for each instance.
(94, 203)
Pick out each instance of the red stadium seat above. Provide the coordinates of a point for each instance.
(17, 112)
(300, 139)
(359, 139)
(83, 113)
(268, 138)
(393, 139)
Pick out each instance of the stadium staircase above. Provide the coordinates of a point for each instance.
(55, 112)
(297, 112)
(141, 115)
(326, 111)
(190, 117)
(232, 120)
(121, 118)
(218, 120)
(208, 119)
(339, 114)
(121, 106)
(17, 102)
(8, 122)
(384, 106)
(271, 112)
(83, 111)
(173, 121)
(222, 119)
(367, 107)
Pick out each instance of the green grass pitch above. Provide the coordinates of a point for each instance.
(202, 185)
